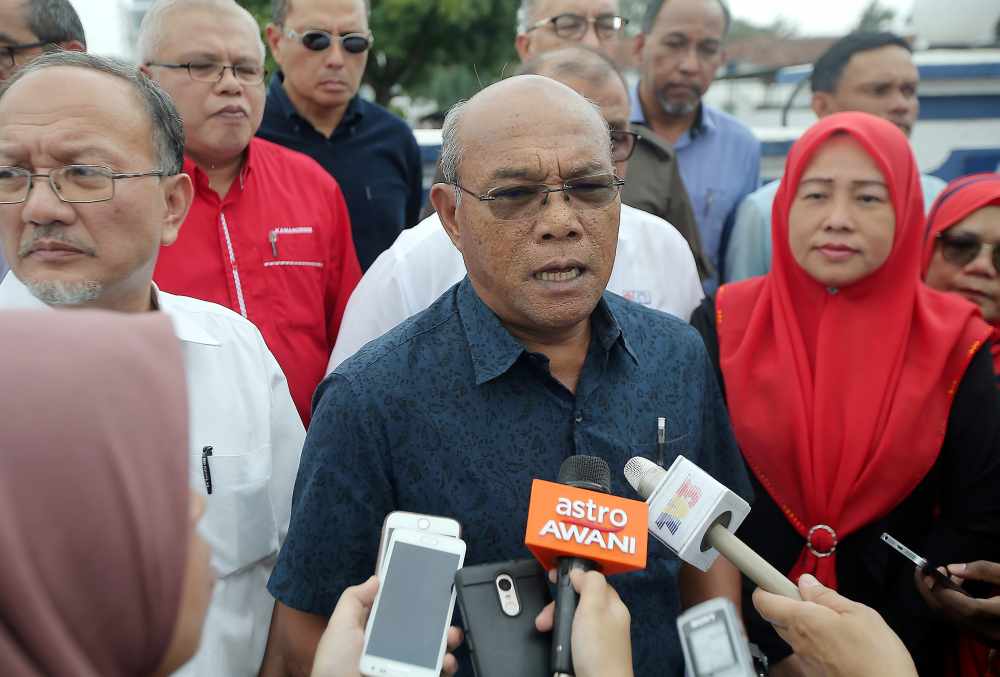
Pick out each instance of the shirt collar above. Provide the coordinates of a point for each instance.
(494, 351)
(14, 295)
(276, 92)
(200, 179)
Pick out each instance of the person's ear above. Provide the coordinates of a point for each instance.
(637, 44)
(273, 35)
(522, 43)
(73, 46)
(445, 202)
(147, 71)
(178, 194)
(822, 104)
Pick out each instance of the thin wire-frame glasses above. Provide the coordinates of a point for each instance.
(246, 73)
(70, 183)
(571, 26)
(516, 202)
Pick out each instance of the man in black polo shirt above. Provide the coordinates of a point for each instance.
(313, 107)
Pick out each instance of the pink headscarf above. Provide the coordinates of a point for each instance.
(94, 498)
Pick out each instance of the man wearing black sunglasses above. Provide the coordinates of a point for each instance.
(313, 106)
(27, 29)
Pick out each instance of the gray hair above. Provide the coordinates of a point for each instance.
(576, 61)
(525, 13)
(55, 21)
(654, 7)
(151, 30)
(168, 131)
(451, 147)
(280, 8)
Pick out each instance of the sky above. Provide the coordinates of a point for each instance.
(811, 17)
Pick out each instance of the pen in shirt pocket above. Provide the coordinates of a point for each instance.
(206, 470)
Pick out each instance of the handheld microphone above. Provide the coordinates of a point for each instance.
(578, 524)
(695, 516)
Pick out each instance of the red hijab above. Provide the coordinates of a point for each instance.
(960, 199)
(842, 444)
(94, 498)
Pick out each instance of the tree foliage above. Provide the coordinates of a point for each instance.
(422, 44)
(875, 17)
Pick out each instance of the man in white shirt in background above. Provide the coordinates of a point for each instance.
(867, 72)
(90, 188)
(653, 265)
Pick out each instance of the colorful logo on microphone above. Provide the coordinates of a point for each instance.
(679, 506)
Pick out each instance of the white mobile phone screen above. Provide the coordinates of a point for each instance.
(412, 613)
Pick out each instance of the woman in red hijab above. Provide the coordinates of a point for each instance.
(962, 245)
(102, 572)
(862, 400)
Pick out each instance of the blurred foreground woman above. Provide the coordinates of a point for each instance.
(102, 573)
(862, 401)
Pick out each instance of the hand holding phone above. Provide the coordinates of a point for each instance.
(925, 568)
(408, 627)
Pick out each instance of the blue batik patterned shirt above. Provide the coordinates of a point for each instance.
(448, 414)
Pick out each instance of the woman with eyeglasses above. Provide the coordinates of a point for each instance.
(862, 400)
(962, 245)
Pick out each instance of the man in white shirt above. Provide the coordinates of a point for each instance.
(653, 265)
(90, 188)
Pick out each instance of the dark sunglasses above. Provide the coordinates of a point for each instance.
(962, 249)
(317, 40)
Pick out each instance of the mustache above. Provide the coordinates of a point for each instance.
(52, 234)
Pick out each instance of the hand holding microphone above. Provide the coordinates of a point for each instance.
(694, 515)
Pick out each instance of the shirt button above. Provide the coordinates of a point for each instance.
(579, 418)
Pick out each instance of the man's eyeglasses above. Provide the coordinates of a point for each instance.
(317, 40)
(574, 27)
(962, 249)
(622, 145)
(70, 183)
(513, 203)
(207, 71)
(9, 52)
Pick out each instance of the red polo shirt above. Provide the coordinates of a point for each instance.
(278, 250)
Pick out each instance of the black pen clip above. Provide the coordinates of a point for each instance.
(206, 471)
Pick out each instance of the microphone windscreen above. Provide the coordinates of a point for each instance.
(643, 475)
(586, 471)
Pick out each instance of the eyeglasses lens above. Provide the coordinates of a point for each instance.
(525, 202)
(961, 251)
(569, 26)
(355, 44)
(316, 41)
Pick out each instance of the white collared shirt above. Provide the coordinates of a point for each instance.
(654, 266)
(241, 407)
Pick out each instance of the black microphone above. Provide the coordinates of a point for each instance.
(583, 472)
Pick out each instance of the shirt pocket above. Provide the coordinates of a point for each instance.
(239, 522)
(295, 265)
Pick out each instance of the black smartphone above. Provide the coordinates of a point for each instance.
(499, 603)
(925, 568)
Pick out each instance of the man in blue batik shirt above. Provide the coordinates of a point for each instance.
(680, 50)
(525, 362)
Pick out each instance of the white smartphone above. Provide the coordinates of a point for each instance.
(407, 630)
(399, 519)
(712, 641)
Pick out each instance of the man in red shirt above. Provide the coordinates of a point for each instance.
(268, 234)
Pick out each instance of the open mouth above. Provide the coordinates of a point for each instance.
(565, 275)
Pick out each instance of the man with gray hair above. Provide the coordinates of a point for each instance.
(85, 233)
(523, 363)
(29, 28)
(653, 264)
(268, 234)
